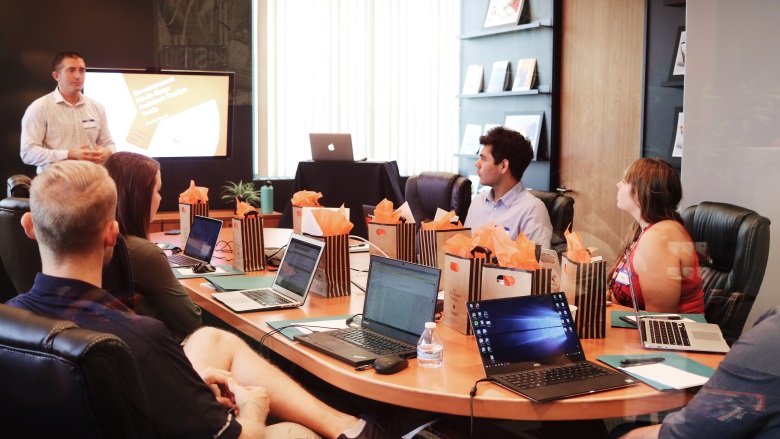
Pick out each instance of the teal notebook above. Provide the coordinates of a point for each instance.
(291, 332)
(617, 323)
(228, 269)
(670, 359)
(236, 283)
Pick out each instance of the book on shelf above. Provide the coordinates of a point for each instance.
(473, 82)
(470, 144)
(525, 78)
(499, 77)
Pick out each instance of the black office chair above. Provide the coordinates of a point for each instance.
(63, 381)
(431, 190)
(21, 260)
(19, 186)
(733, 247)
(19, 254)
(561, 210)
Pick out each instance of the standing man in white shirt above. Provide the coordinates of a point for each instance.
(65, 124)
(504, 157)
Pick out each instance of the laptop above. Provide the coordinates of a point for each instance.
(529, 345)
(662, 333)
(331, 147)
(291, 284)
(200, 245)
(400, 298)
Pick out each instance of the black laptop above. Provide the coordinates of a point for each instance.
(530, 346)
(400, 298)
(201, 243)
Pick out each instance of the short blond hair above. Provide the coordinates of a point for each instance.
(70, 202)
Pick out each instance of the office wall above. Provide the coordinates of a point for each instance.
(600, 121)
(121, 33)
(732, 114)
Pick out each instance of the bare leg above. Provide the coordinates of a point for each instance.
(211, 347)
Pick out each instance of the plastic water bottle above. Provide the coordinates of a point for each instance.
(430, 349)
(267, 198)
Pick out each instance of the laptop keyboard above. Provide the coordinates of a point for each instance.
(372, 342)
(266, 297)
(181, 259)
(555, 375)
(668, 333)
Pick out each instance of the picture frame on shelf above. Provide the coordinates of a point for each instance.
(474, 80)
(677, 137)
(529, 124)
(526, 77)
(503, 13)
(470, 144)
(677, 69)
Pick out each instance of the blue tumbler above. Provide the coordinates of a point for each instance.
(267, 198)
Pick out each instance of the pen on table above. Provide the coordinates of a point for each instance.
(637, 361)
(661, 317)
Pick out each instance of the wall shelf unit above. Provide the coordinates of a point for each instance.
(537, 36)
(661, 97)
(504, 30)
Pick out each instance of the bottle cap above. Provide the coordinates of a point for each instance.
(430, 325)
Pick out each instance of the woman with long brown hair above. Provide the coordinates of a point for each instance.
(658, 249)
(158, 293)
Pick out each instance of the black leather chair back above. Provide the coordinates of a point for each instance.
(19, 254)
(19, 186)
(733, 247)
(63, 381)
(561, 210)
(21, 260)
(431, 190)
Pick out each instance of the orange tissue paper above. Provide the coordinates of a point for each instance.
(384, 214)
(243, 208)
(332, 223)
(306, 199)
(520, 253)
(443, 223)
(459, 245)
(194, 194)
(577, 252)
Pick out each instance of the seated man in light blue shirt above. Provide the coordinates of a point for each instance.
(504, 157)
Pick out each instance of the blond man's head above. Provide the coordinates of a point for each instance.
(71, 203)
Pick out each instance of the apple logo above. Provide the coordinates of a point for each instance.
(331, 147)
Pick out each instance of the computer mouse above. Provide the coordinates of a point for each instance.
(389, 364)
(203, 267)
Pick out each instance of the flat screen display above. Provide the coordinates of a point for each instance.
(167, 113)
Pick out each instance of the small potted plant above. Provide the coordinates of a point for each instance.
(245, 192)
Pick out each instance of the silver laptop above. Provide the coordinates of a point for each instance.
(400, 298)
(658, 333)
(331, 147)
(291, 284)
(201, 242)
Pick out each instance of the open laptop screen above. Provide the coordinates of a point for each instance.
(400, 297)
(299, 262)
(203, 238)
(528, 329)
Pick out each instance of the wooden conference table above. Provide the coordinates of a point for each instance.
(444, 390)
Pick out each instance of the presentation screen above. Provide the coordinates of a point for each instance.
(166, 113)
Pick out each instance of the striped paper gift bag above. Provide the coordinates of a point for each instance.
(396, 240)
(585, 285)
(332, 276)
(248, 248)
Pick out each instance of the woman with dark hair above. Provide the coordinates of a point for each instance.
(658, 250)
(158, 293)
